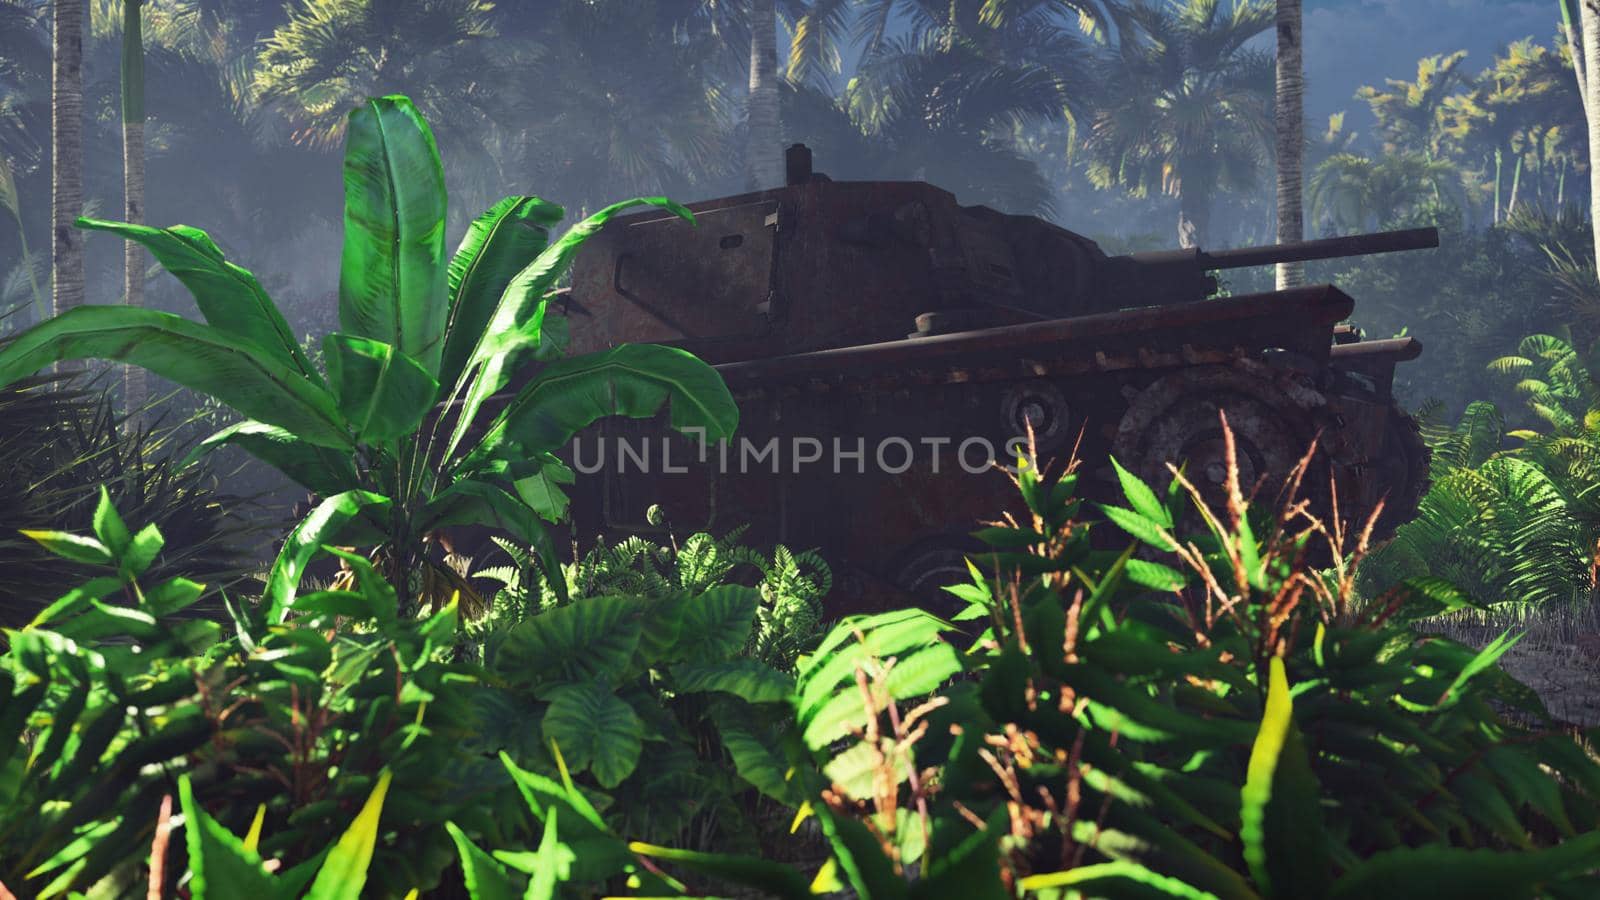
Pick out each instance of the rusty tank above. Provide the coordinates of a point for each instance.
(851, 317)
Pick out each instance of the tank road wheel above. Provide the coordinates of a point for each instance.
(1041, 404)
(1274, 416)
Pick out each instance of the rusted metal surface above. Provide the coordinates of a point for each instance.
(880, 312)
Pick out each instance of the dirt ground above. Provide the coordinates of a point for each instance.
(1559, 658)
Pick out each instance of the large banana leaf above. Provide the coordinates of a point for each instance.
(382, 392)
(392, 274)
(194, 355)
(518, 321)
(229, 296)
(631, 380)
(317, 469)
(496, 247)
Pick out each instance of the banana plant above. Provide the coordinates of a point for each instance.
(394, 434)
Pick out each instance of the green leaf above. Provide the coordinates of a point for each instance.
(773, 879)
(1102, 880)
(344, 872)
(517, 323)
(755, 759)
(497, 245)
(188, 353)
(318, 469)
(595, 730)
(171, 596)
(541, 490)
(1141, 527)
(485, 878)
(717, 623)
(633, 380)
(593, 638)
(474, 502)
(382, 392)
(229, 297)
(220, 865)
(317, 529)
(71, 546)
(1265, 753)
(142, 551)
(392, 275)
(751, 679)
(551, 864)
(1484, 659)
(1435, 871)
(1154, 575)
(109, 527)
(1143, 500)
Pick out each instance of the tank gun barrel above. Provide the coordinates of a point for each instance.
(1326, 248)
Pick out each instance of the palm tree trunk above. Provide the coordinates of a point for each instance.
(764, 156)
(1290, 140)
(1589, 15)
(135, 386)
(1194, 219)
(66, 155)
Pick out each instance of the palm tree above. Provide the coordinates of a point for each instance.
(134, 378)
(1584, 47)
(656, 125)
(1290, 96)
(331, 54)
(66, 155)
(1187, 111)
(936, 109)
(1411, 114)
(1352, 192)
(764, 157)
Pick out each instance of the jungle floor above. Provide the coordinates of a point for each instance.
(1559, 658)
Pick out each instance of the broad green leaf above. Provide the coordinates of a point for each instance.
(497, 245)
(595, 730)
(229, 297)
(172, 596)
(592, 638)
(196, 356)
(754, 758)
(344, 872)
(473, 502)
(221, 866)
(485, 878)
(320, 470)
(751, 679)
(717, 623)
(541, 489)
(1435, 871)
(392, 275)
(382, 392)
(923, 671)
(147, 543)
(517, 323)
(71, 546)
(633, 380)
(304, 542)
(109, 527)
